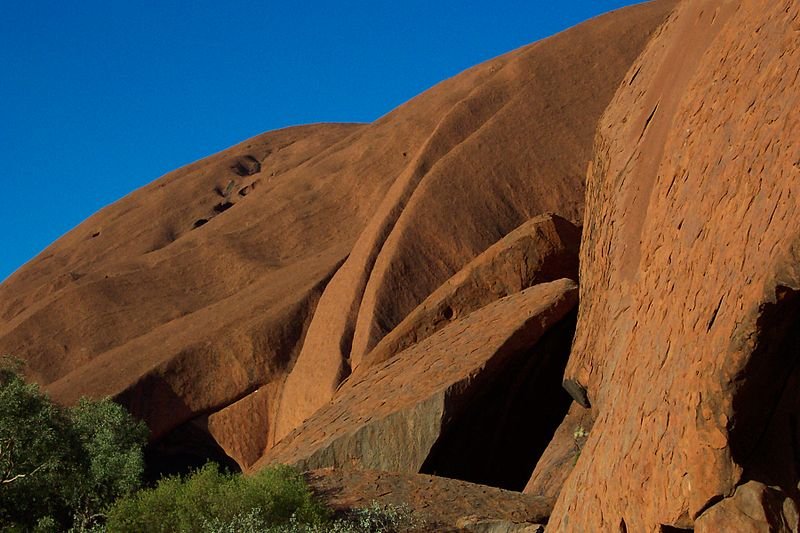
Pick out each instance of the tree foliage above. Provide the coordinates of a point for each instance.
(62, 466)
(213, 500)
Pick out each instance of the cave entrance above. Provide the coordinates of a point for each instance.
(499, 437)
(183, 450)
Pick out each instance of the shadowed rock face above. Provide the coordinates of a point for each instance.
(687, 336)
(443, 504)
(556, 462)
(393, 417)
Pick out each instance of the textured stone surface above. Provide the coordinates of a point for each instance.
(243, 429)
(513, 145)
(687, 332)
(542, 249)
(755, 508)
(561, 454)
(391, 418)
(443, 504)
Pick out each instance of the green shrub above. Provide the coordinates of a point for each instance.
(62, 468)
(210, 500)
(375, 518)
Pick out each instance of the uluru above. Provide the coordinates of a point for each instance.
(557, 291)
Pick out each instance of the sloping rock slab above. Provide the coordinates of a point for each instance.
(513, 147)
(442, 504)
(391, 418)
(542, 249)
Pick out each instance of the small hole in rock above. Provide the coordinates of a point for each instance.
(223, 206)
(200, 222)
(95, 234)
(448, 313)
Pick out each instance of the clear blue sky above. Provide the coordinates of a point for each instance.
(98, 98)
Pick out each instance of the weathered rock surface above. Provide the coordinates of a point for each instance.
(543, 249)
(561, 455)
(443, 504)
(754, 507)
(688, 329)
(514, 147)
(194, 292)
(243, 429)
(397, 417)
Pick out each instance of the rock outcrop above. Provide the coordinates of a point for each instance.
(403, 295)
(515, 147)
(242, 289)
(543, 249)
(441, 504)
(398, 417)
(689, 325)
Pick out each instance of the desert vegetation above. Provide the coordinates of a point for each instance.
(81, 469)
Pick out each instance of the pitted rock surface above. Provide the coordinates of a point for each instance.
(687, 331)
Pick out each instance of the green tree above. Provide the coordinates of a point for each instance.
(62, 466)
(37, 452)
(111, 443)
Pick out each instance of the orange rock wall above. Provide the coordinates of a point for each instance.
(690, 238)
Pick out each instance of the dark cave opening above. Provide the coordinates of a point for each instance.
(764, 430)
(499, 437)
(184, 450)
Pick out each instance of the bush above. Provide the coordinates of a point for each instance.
(62, 468)
(37, 454)
(377, 517)
(210, 500)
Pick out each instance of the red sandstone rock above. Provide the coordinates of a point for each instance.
(393, 417)
(442, 504)
(687, 334)
(558, 460)
(543, 249)
(514, 146)
(754, 508)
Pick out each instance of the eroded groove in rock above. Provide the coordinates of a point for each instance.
(461, 189)
(390, 418)
(498, 438)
